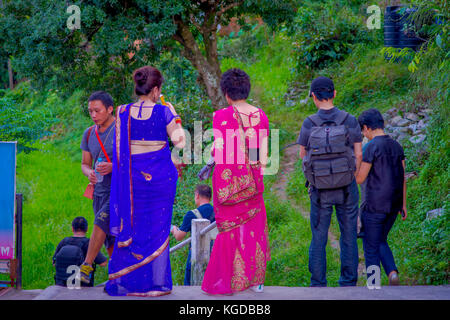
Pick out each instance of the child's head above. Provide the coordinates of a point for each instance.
(202, 194)
(369, 121)
(322, 90)
(100, 107)
(79, 224)
(235, 85)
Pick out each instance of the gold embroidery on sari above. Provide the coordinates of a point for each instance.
(227, 225)
(226, 174)
(239, 280)
(233, 188)
(260, 266)
(133, 267)
(147, 176)
(224, 123)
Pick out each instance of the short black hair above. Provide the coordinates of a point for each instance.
(235, 83)
(104, 97)
(323, 95)
(203, 191)
(80, 224)
(371, 118)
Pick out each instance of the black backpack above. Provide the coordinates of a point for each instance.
(69, 254)
(329, 162)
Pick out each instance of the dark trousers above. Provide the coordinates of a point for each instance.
(187, 273)
(376, 249)
(346, 213)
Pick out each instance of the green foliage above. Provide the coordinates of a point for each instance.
(245, 46)
(366, 80)
(325, 33)
(97, 56)
(20, 123)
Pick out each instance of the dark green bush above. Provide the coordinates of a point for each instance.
(325, 33)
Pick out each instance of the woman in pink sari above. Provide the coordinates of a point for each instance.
(241, 250)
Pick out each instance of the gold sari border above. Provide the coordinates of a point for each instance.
(147, 260)
(148, 143)
(153, 293)
(228, 226)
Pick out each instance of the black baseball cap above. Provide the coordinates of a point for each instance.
(321, 84)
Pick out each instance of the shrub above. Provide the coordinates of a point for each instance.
(326, 33)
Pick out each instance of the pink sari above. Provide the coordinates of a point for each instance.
(241, 249)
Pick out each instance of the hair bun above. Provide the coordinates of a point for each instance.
(140, 78)
(145, 79)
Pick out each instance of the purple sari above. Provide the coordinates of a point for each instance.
(143, 189)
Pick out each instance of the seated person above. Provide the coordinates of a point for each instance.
(72, 251)
(204, 210)
(383, 170)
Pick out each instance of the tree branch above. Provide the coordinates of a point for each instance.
(220, 13)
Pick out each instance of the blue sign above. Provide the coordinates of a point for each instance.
(7, 198)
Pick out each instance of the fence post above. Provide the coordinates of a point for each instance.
(199, 251)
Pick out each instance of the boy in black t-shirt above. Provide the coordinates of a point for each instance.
(72, 250)
(204, 210)
(383, 169)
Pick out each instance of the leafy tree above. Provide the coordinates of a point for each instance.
(117, 36)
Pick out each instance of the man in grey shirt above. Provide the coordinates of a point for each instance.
(322, 201)
(101, 111)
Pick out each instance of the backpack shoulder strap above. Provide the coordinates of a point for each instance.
(197, 213)
(316, 120)
(341, 117)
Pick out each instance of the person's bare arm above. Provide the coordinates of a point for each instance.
(357, 149)
(363, 172)
(178, 234)
(175, 130)
(86, 167)
(104, 264)
(302, 152)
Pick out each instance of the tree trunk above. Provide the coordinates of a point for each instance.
(208, 67)
(11, 75)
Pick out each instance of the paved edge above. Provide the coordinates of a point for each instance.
(270, 293)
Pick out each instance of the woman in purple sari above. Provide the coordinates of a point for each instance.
(143, 190)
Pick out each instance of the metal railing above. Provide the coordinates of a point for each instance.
(200, 248)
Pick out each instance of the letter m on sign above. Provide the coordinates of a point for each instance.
(7, 199)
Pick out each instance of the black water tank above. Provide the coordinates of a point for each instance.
(392, 27)
(395, 33)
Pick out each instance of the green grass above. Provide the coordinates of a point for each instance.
(52, 185)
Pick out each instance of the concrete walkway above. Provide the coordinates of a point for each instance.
(270, 293)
